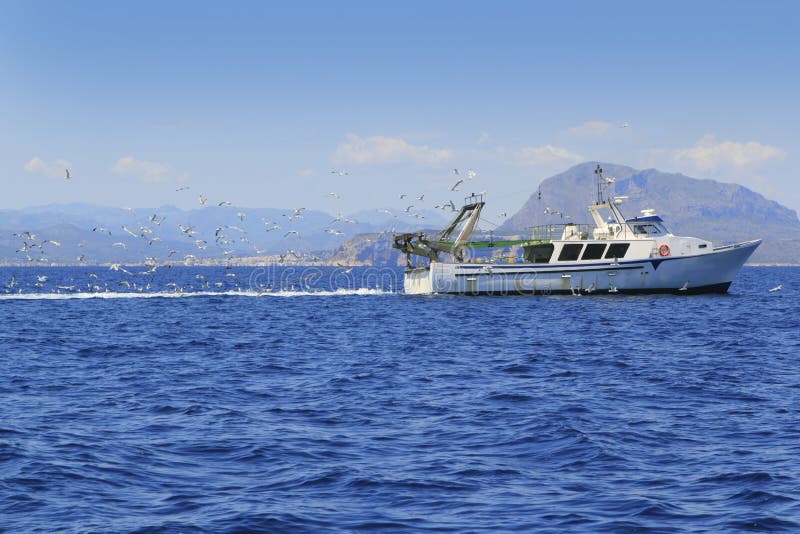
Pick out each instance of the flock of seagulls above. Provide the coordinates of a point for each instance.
(153, 229)
(226, 237)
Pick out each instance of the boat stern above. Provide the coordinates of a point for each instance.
(417, 281)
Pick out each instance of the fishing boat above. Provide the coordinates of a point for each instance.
(614, 254)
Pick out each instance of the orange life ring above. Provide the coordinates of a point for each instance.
(663, 249)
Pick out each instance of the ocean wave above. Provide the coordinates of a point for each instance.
(189, 294)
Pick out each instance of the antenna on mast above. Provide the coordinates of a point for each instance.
(602, 183)
(599, 174)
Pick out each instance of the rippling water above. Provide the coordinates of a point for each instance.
(351, 406)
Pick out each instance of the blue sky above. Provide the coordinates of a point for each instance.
(257, 102)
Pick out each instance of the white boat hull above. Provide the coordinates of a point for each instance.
(710, 272)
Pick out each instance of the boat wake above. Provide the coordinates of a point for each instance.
(187, 294)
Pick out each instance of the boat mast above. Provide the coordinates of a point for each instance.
(603, 182)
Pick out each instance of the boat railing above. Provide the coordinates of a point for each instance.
(570, 231)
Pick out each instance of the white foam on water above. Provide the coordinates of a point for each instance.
(187, 294)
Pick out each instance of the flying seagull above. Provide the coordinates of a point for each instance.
(455, 186)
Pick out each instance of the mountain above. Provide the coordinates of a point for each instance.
(721, 212)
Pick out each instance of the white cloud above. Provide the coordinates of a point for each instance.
(149, 171)
(709, 155)
(379, 149)
(539, 155)
(57, 169)
(590, 129)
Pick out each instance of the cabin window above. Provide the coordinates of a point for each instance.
(617, 250)
(594, 251)
(570, 252)
(702, 246)
(539, 253)
(646, 229)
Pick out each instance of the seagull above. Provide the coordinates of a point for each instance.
(339, 173)
(182, 188)
(125, 228)
(455, 171)
(471, 174)
(123, 245)
(291, 232)
(46, 241)
(402, 196)
(408, 209)
(202, 200)
(225, 203)
(504, 215)
(334, 195)
(421, 197)
(455, 186)
(101, 229)
(777, 288)
(624, 125)
(68, 177)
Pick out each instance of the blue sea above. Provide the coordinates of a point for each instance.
(203, 399)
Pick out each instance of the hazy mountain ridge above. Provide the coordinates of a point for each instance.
(721, 212)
